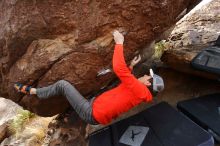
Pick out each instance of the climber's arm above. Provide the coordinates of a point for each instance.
(119, 65)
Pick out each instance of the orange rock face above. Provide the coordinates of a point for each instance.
(44, 41)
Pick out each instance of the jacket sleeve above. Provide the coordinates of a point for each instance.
(127, 78)
(120, 67)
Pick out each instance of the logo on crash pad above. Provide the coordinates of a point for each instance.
(134, 135)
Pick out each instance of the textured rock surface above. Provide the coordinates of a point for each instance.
(3, 132)
(8, 111)
(197, 30)
(44, 41)
(31, 134)
(67, 130)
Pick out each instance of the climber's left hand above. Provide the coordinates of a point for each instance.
(135, 61)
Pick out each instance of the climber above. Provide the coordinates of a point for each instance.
(110, 104)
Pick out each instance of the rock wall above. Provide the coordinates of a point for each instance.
(42, 41)
(198, 29)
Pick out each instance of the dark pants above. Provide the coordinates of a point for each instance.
(82, 106)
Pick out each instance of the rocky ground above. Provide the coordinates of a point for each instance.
(19, 127)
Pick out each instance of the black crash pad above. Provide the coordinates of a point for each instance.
(205, 111)
(208, 59)
(160, 125)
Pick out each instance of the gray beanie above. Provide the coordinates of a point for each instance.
(157, 82)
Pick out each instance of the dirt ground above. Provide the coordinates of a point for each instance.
(179, 86)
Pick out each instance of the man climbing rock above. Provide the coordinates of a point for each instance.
(110, 104)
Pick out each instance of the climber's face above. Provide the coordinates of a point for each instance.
(145, 80)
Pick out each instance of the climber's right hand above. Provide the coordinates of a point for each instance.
(118, 37)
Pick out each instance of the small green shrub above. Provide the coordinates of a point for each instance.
(16, 125)
(159, 48)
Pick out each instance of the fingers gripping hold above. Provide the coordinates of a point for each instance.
(118, 37)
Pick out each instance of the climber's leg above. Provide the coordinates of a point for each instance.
(63, 88)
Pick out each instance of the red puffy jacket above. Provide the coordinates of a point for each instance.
(129, 93)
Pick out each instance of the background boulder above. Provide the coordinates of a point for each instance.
(195, 31)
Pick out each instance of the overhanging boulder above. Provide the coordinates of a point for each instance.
(44, 41)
